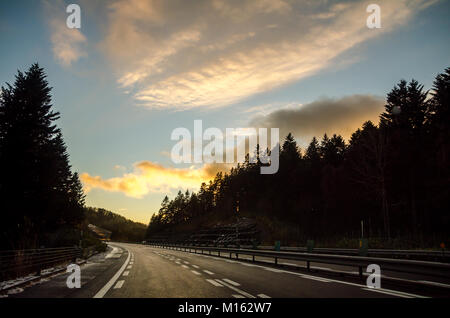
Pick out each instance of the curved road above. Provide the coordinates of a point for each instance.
(133, 270)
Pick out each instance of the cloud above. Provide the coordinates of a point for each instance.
(180, 54)
(150, 177)
(327, 115)
(68, 45)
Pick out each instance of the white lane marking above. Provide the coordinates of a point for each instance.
(208, 272)
(307, 276)
(238, 296)
(273, 270)
(212, 281)
(178, 263)
(131, 262)
(184, 266)
(263, 296)
(231, 282)
(119, 284)
(195, 266)
(377, 290)
(235, 289)
(319, 279)
(126, 273)
(129, 266)
(111, 282)
(195, 272)
(186, 262)
(434, 283)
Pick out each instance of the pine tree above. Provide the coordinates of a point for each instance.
(39, 193)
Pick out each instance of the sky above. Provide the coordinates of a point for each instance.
(136, 70)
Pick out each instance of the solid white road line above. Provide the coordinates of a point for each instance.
(102, 292)
(392, 293)
(236, 289)
(434, 283)
(119, 284)
(212, 281)
(126, 273)
(195, 272)
(231, 282)
(263, 296)
(208, 272)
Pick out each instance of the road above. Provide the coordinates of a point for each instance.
(133, 270)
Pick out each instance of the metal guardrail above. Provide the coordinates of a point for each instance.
(14, 263)
(396, 265)
(441, 256)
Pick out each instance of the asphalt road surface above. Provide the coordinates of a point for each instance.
(133, 270)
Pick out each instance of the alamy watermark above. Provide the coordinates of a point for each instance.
(73, 21)
(74, 279)
(186, 151)
(374, 19)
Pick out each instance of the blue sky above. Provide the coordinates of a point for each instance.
(136, 70)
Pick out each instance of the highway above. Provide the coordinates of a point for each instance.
(140, 271)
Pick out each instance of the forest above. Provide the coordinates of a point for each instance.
(42, 200)
(122, 229)
(392, 176)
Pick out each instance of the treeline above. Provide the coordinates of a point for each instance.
(122, 229)
(41, 198)
(393, 175)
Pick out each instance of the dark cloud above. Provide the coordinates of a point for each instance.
(342, 116)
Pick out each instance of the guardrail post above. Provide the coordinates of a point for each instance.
(253, 258)
(308, 265)
(230, 254)
(237, 256)
(219, 253)
(276, 260)
(360, 272)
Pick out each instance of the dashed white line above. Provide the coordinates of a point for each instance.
(231, 282)
(212, 281)
(119, 284)
(237, 296)
(208, 272)
(129, 266)
(263, 296)
(126, 273)
(195, 272)
(184, 266)
(186, 262)
(235, 289)
(195, 266)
